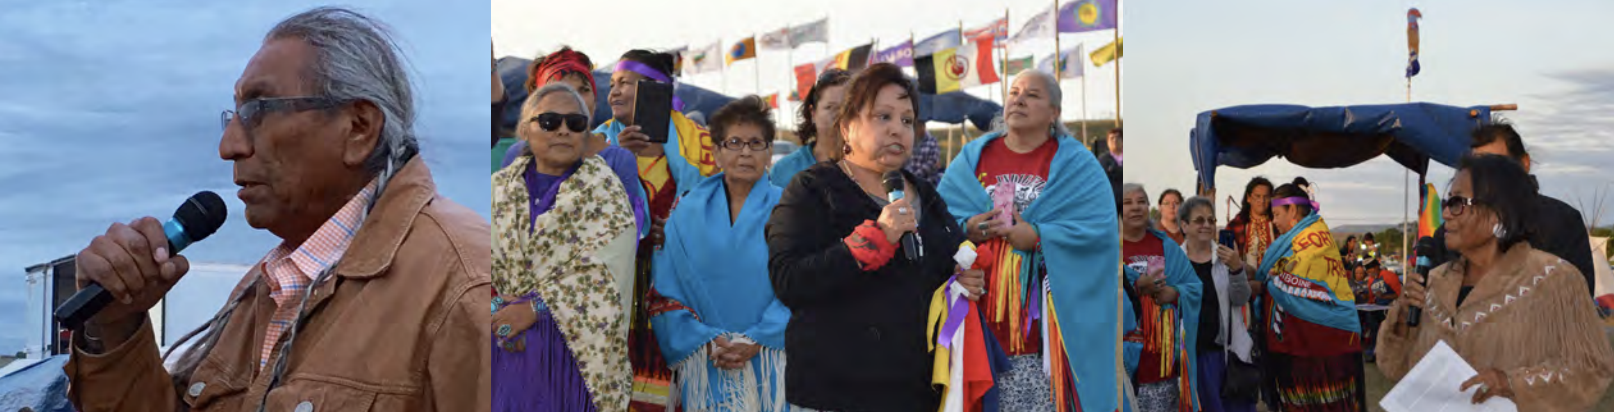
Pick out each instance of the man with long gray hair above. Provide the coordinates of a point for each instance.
(376, 298)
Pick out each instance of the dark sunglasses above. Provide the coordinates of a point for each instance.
(551, 121)
(1457, 204)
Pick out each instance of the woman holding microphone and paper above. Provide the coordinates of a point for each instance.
(1518, 315)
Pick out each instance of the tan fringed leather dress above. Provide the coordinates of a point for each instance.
(1529, 318)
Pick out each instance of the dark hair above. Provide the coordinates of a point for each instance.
(747, 110)
(1368, 237)
(1116, 132)
(1372, 264)
(1162, 199)
(1501, 185)
(806, 130)
(1490, 133)
(1244, 202)
(662, 62)
(1293, 190)
(1349, 239)
(866, 87)
(1301, 181)
(532, 68)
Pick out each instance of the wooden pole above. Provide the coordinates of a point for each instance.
(1406, 196)
(1005, 61)
(1057, 60)
(1118, 70)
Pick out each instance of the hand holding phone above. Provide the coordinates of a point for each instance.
(652, 109)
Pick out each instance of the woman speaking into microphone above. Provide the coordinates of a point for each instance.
(856, 335)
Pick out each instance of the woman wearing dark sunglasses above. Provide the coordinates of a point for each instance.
(1519, 315)
(563, 245)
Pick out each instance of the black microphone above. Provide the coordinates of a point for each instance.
(1426, 246)
(893, 192)
(196, 219)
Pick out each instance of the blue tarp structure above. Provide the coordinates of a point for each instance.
(41, 386)
(1332, 137)
(513, 72)
(952, 108)
(956, 107)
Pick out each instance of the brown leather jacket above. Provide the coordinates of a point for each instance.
(403, 325)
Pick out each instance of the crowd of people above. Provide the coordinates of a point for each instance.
(1278, 313)
(697, 274)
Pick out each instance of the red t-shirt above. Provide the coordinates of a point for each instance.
(1029, 171)
(1137, 256)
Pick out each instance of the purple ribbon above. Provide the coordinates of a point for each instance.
(1036, 303)
(955, 317)
(653, 74)
(1296, 200)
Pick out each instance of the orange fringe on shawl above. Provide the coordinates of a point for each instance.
(1005, 290)
(1158, 324)
(1064, 380)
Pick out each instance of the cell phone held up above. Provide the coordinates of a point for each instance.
(1226, 238)
(652, 109)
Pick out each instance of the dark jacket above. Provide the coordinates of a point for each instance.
(1555, 228)
(1112, 170)
(856, 340)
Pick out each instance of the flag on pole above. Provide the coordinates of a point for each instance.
(900, 55)
(853, 59)
(817, 31)
(1088, 15)
(940, 41)
(1070, 63)
(678, 58)
(775, 40)
(1429, 218)
(772, 99)
(1412, 42)
(1040, 26)
(1108, 53)
(957, 68)
(744, 49)
(998, 30)
(806, 74)
(1015, 66)
(705, 59)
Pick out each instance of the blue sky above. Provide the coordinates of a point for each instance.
(110, 112)
(1555, 59)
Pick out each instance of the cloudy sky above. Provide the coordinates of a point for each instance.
(110, 111)
(1552, 58)
(521, 28)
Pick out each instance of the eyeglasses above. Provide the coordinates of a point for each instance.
(755, 145)
(251, 113)
(1457, 204)
(1204, 221)
(551, 121)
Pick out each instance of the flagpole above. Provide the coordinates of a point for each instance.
(1118, 68)
(1406, 193)
(790, 60)
(1005, 59)
(1057, 59)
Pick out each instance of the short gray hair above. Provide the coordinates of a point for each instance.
(357, 59)
(548, 89)
(1055, 97)
(1196, 202)
(1134, 187)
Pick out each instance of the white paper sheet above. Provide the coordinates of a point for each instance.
(1432, 386)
